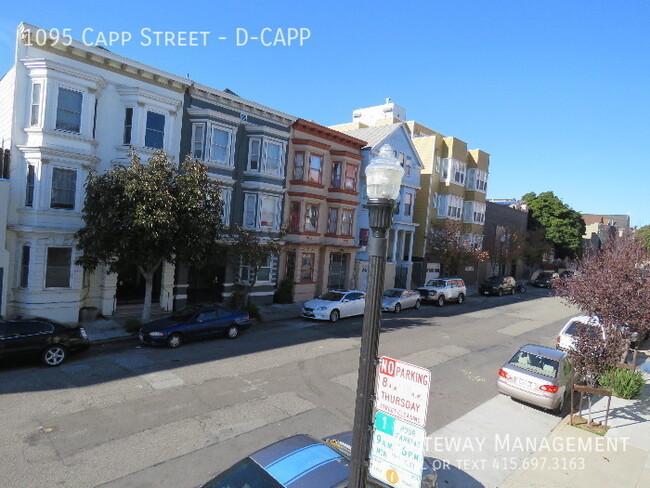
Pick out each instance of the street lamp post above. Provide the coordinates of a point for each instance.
(383, 179)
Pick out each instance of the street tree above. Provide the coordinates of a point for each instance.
(563, 226)
(143, 215)
(612, 285)
(507, 245)
(643, 235)
(249, 251)
(536, 247)
(447, 244)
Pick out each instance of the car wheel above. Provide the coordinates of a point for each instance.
(398, 308)
(500, 292)
(174, 341)
(441, 300)
(54, 355)
(233, 332)
(418, 304)
(335, 316)
(461, 298)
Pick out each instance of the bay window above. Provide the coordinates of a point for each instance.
(307, 267)
(154, 136)
(64, 185)
(220, 146)
(35, 108)
(268, 211)
(311, 218)
(336, 174)
(57, 273)
(261, 211)
(298, 166)
(351, 171)
(333, 221)
(315, 168)
(408, 204)
(68, 110)
(254, 153)
(273, 159)
(346, 222)
(128, 126)
(294, 217)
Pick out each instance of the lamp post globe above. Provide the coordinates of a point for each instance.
(383, 180)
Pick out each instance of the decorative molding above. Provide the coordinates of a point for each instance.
(308, 142)
(346, 154)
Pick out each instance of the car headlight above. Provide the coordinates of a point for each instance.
(156, 334)
(321, 308)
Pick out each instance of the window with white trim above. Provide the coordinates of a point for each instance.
(220, 145)
(298, 166)
(266, 273)
(35, 107)
(29, 185)
(481, 180)
(408, 203)
(311, 217)
(68, 110)
(445, 169)
(434, 200)
(459, 170)
(198, 141)
(442, 206)
(154, 136)
(346, 222)
(454, 207)
(474, 212)
(226, 197)
(273, 158)
(332, 220)
(315, 168)
(261, 211)
(64, 187)
(24, 266)
(57, 272)
(254, 153)
(128, 126)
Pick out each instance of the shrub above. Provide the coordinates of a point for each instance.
(622, 382)
(285, 291)
(132, 325)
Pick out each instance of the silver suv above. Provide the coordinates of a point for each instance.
(441, 290)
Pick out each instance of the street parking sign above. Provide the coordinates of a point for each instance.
(403, 390)
(397, 452)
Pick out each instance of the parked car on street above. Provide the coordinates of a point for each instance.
(397, 299)
(566, 339)
(498, 285)
(193, 323)
(543, 280)
(299, 461)
(442, 290)
(50, 340)
(538, 375)
(334, 305)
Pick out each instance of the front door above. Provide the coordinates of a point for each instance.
(131, 286)
(337, 271)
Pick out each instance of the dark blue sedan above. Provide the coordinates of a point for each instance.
(194, 323)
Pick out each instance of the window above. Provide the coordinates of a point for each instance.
(254, 154)
(434, 200)
(220, 146)
(351, 177)
(24, 267)
(273, 161)
(311, 218)
(336, 174)
(155, 133)
(64, 183)
(35, 112)
(268, 211)
(364, 236)
(454, 207)
(307, 267)
(298, 166)
(294, 217)
(291, 265)
(226, 195)
(459, 171)
(346, 222)
(128, 126)
(57, 274)
(442, 205)
(444, 169)
(68, 110)
(315, 168)
(438, 164)
(481, 180)
(407, 166)
(198, 141)
(250, 209)
(266, 270)
(29, 185)
(333, 221)
(408, 203)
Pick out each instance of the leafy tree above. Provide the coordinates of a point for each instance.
(564, 226)
(536, 247)
(643, 234)
(446, 242)
(508, 245)
(613, 285)
(249, 251)
(145, 214)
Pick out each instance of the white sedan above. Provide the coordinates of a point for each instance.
(397, 299)
(335, 304)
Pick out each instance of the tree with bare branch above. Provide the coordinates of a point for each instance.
(447, 244)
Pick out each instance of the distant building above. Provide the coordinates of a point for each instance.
(505, 222)
(600, 229)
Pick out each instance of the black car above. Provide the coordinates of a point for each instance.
(50, 340)
(498, 285)
(543, 280)
(192, 323)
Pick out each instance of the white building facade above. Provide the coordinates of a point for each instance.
(66, 111)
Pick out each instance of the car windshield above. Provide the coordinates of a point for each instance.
(331, 296)
(493, 279)
(435, 283)
(393, 293)
(544, 276)
(576, 326)
(185, 313)
(535, 364)
(245, 474)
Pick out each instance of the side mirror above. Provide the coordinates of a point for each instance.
(345, 300)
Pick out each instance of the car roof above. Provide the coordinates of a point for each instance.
(543, 351)
(303, 461)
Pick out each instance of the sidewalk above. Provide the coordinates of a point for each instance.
(575, 458)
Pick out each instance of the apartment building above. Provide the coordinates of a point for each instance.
(401, 241)
(245, 146)
(322, 208)
(452, 185)
(67, 110)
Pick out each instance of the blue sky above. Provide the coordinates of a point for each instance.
(558, 92)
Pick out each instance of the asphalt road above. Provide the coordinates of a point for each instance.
(122, 415)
